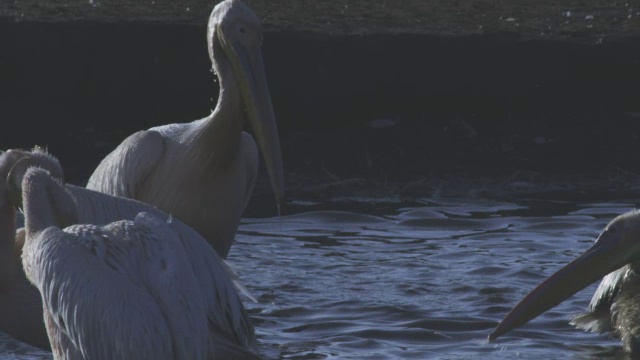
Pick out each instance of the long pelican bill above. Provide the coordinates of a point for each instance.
(248, 66)
(600, 259)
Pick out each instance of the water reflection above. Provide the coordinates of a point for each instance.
(424, 279)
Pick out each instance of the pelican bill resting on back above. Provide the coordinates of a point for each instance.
(615, 306)
(135, 261)
(204, 172)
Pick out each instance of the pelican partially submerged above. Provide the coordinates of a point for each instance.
(203, 172)
(615, 306)
(90, 274)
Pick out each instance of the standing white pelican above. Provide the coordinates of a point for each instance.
(615, 306)
(204, 172)
(229, 328)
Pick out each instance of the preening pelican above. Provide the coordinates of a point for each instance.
(204, 172)
(127, 290)
(20, 306)
(45, 200)
(615, 305)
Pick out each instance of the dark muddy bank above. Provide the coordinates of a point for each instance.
(387, 108)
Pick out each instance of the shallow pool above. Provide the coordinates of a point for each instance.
(430, 278)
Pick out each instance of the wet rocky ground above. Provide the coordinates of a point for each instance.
(588, 20)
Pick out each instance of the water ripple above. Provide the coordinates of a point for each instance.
(429, 280)
(423, 282)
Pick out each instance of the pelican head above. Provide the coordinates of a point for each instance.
(235, 39)
(13, 165)
(618, 245)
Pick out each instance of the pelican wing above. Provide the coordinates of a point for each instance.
(125, 168)
(231, 330)
(85, 299)
(229, 323)
(230, 327)
(598, 319)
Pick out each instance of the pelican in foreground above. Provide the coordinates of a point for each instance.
(204, 172)
(20, 305)
(615, 305)
(107, 258)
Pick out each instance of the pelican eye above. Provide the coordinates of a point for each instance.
(611, 229)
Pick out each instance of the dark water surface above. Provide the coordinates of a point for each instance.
(374, 279)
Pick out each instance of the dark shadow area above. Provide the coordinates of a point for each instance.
(380, 107)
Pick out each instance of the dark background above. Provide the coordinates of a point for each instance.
(379, 97)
